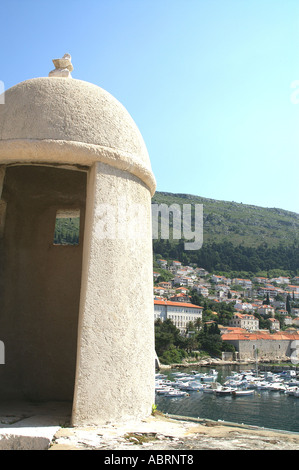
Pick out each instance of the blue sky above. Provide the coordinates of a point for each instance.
(208, 82)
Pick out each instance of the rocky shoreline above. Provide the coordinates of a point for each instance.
(214, 362)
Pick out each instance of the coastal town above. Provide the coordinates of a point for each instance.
(264, 319)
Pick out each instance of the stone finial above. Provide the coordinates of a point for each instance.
(63, 67)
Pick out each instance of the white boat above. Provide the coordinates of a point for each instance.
(262, 385)
(236, 376)
(164, 390)
(208, 378)
(208, 388)
(163, 382)
(287, 374)
(277, 387)
(293, 383)
(176, 394)
(191, 386)
(211, 376)
(197, 376)
(181, 375)
(236, 383)
(160, 376)
(239, 393)
(291, 390)
(224, 391)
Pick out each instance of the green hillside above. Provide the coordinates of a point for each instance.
(236, 237)
(239, 223)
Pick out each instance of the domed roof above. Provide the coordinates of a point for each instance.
(64, 120)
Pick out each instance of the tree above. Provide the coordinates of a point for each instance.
(197, 324)
(170, 345)
(197, 299)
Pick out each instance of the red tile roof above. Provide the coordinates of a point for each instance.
(260, 335)
(176, 304)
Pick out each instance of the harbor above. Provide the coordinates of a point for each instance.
(265, 398)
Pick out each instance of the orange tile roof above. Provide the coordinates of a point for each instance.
(260, 335)
(234, 329)
(176, 304)
(244, 315)
(266, 306)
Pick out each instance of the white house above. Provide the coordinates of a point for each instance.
(175, 265)
(293, 288)
(281, 280)
(217, 279)
(266, 310)
(288, 320)
(162, 263)
(201, 290)
(261, 280)
(291, 321)
(243, 307)
(183, 281)
(242, 282)
(274, 324)
(159, 290)
(201, 272)
(271, 290)
(246, 321)
(222, 287)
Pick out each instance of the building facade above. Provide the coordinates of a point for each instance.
(246, 321)
(180, 313)
(277, 346)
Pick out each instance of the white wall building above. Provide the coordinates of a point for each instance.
(201, 290)
(180, 313)
(242, 282)
(248, 322)
(266, 310)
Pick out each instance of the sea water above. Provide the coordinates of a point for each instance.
(268, 409)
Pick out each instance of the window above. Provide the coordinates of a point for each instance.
(67, 227)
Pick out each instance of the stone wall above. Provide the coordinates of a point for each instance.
(262, 349)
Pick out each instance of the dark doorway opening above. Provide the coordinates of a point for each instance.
(40, 282)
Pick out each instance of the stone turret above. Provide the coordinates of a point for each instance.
(76, 320)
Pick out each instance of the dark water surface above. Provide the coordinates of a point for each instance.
(268, 409)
